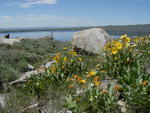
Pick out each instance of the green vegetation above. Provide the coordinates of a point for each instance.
(14, 59)
(74, 80)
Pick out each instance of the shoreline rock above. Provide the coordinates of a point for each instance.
(90, 40)
(9, 41)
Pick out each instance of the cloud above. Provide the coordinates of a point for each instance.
(28, 18)
(33, 20)
(33, 17)
(30, 3)
(6, 18)
(12, 4)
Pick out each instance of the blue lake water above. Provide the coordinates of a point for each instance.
(58, 35)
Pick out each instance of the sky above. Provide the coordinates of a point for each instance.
(60, 13)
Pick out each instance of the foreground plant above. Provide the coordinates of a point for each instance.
(80, 88)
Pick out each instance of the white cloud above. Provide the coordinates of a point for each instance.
(31, 20)
(33, 17)
(6, 18)
(12, 4)
(30, 3)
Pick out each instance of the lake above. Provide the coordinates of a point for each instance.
(58, 35)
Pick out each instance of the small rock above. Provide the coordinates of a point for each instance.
(30, 67)
(2, 101)
(65, 111)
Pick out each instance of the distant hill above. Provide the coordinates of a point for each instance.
(132, 30)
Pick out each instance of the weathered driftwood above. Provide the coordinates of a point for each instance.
(30, 107)
(27, 75)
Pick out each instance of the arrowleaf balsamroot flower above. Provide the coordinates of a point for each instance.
(72, 52)
(75, 76)
(91, 73)
(53, 69)
(103, 71)
(114, 50)
(96, 81)
(57, 58)
(104, 92)
(145, 82)
(118, 45)
(65, 59)
(123, 36)
(65, 48)
(117, 88)
(82, 81)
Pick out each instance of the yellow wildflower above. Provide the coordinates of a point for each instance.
(65, 59)
(79, 79)
(96, 78)
(80, 59)
(117, 88)
(123, 36)
(127, 39)
(107, 46)
(127, 44)
(114, 50)
(53, 69)
(104, 92)
(97, 83)
(71, 86)
(116, 58)
(91, 73)
(103, 71)
(133, 45)
(136, 40)
(145, 82)
(74, 53)
(75, 76)
(57, 57)
(82, 81)
(118, 45)
(65, 48)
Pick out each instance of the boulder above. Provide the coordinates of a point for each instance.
(90, 40)
(9, 41)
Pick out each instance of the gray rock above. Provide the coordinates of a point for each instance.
(2, 101)
(147, 68)
(30, 67)
(90, 40)
(9, 41)
(65, 111)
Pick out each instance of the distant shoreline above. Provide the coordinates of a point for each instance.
(131, 30)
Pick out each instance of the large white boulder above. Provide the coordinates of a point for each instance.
(9, 41)
(90, 40)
